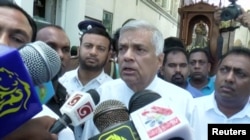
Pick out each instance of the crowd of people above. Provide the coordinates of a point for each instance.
(141, 58)
(17, 29)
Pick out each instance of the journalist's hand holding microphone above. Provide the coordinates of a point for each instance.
(27, 125)
(34, 129)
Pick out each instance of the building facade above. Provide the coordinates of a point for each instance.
(112, 13)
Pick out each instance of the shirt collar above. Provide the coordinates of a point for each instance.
(210, 84)
(100, 78)
(211, 105)
(153, 84)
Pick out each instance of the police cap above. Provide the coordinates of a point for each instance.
(88, 24)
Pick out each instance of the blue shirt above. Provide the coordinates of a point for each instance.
(207, 89)
(194, 92)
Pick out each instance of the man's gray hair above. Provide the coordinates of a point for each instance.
(157, 37)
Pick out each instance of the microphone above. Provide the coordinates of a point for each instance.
(141, 99)
(43, 63)
(112, 120)
(76, 110)
(156, 120)
(18, 99)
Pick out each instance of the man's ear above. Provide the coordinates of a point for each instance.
(209, 67)
(160, 60)
(161, 70)
(110, 57)
(74, 52)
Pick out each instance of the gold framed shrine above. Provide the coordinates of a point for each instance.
(194, 14)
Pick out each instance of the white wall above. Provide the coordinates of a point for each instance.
(27, 5)
(72, 14)
(242, 34)
(125, 9)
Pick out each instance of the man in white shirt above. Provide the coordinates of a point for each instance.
(140, 57)
(229, 103)
(94, 52)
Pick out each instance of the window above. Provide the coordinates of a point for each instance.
(174, 8)
(13, 1)
(44, 12)
(107, 21)
(39, 9)
(167, 8)
(166, 5)
(158, 2)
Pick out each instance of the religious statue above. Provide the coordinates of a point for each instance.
(200, 36)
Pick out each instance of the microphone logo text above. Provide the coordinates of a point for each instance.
(84, 110)
(14, 92)
(74, 100)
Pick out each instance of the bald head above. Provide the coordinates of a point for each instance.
(53, 33)
(56, 38)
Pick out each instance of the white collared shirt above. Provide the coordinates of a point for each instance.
(177, 98)
(206, 112)
(70, 80)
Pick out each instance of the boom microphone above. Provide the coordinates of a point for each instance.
(43, 63)
(112, 120)
(76, 110)
(18, 99)
(156, 120)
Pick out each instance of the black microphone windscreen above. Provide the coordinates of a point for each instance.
(109, 114)
(95, 96)
(141, 99)
(42, 61)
